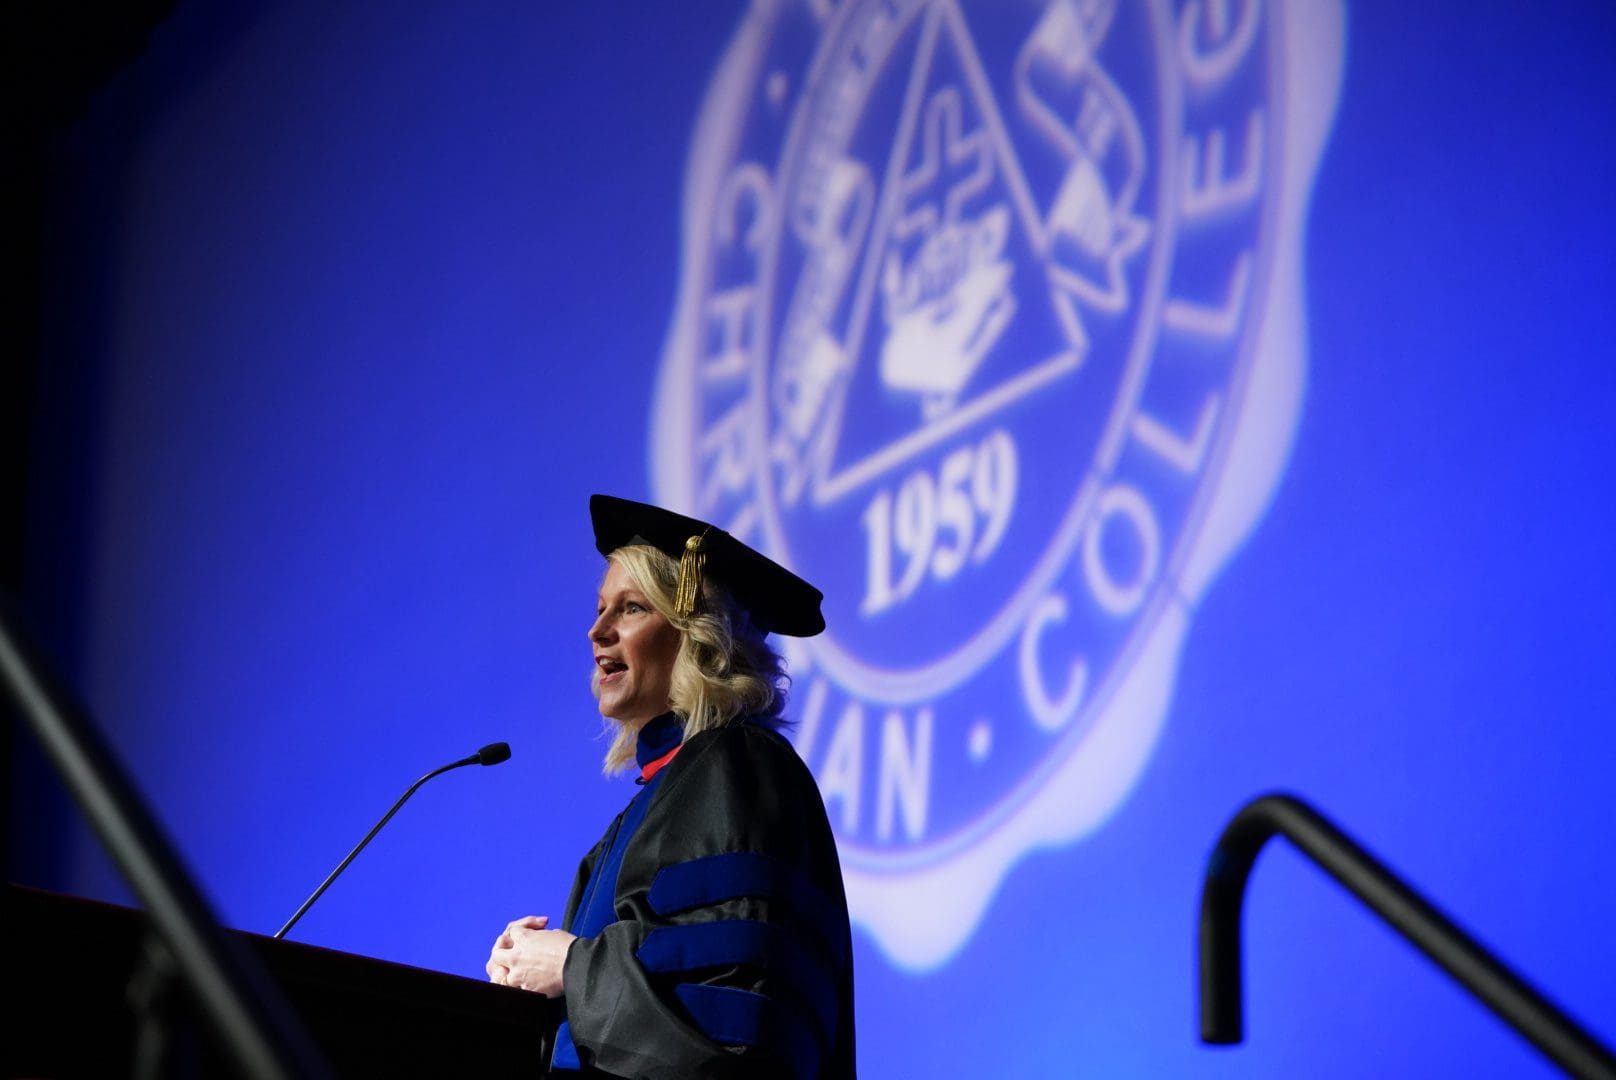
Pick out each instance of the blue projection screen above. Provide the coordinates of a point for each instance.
(1177, 403)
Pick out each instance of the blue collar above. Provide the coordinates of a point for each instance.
(657, 737)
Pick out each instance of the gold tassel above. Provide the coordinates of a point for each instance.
(690, 566)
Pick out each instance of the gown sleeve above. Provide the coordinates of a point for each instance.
(731, 956)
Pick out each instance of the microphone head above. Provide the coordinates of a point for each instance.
(494, 753)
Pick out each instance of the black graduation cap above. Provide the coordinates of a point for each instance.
(779, 601)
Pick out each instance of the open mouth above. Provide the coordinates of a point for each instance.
(610, 669)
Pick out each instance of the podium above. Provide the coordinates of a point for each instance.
(69, 963)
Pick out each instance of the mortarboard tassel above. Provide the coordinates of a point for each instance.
(690, 566)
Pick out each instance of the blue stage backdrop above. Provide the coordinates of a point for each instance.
(1177, 402)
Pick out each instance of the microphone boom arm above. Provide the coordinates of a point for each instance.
(492, 754)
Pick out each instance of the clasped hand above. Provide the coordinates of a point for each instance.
(530, 957)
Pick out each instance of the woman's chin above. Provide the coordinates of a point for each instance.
(633, 719)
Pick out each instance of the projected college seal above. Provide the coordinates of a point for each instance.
(990, 325)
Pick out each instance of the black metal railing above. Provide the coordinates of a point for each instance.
(253, 1023)
(1473, 967)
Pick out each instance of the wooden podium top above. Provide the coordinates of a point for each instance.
(69, 963)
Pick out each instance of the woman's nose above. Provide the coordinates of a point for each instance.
(600, 630)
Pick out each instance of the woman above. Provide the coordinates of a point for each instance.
(707, 933)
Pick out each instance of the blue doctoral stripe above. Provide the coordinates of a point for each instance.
(742, 1018)
(598, 909)
(734, 942)
(712, 879)
(565, 1054)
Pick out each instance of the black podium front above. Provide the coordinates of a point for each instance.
(69, 962)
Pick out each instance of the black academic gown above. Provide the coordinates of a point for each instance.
(730, 955)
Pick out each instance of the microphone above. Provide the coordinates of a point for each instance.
(492, 754)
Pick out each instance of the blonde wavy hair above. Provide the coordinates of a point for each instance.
(724, 669)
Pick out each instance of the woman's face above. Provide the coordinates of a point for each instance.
(634, 651)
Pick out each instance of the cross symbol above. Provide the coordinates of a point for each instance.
(960, 163)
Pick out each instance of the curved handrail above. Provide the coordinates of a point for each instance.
(254, 1022)
(1223, 894)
